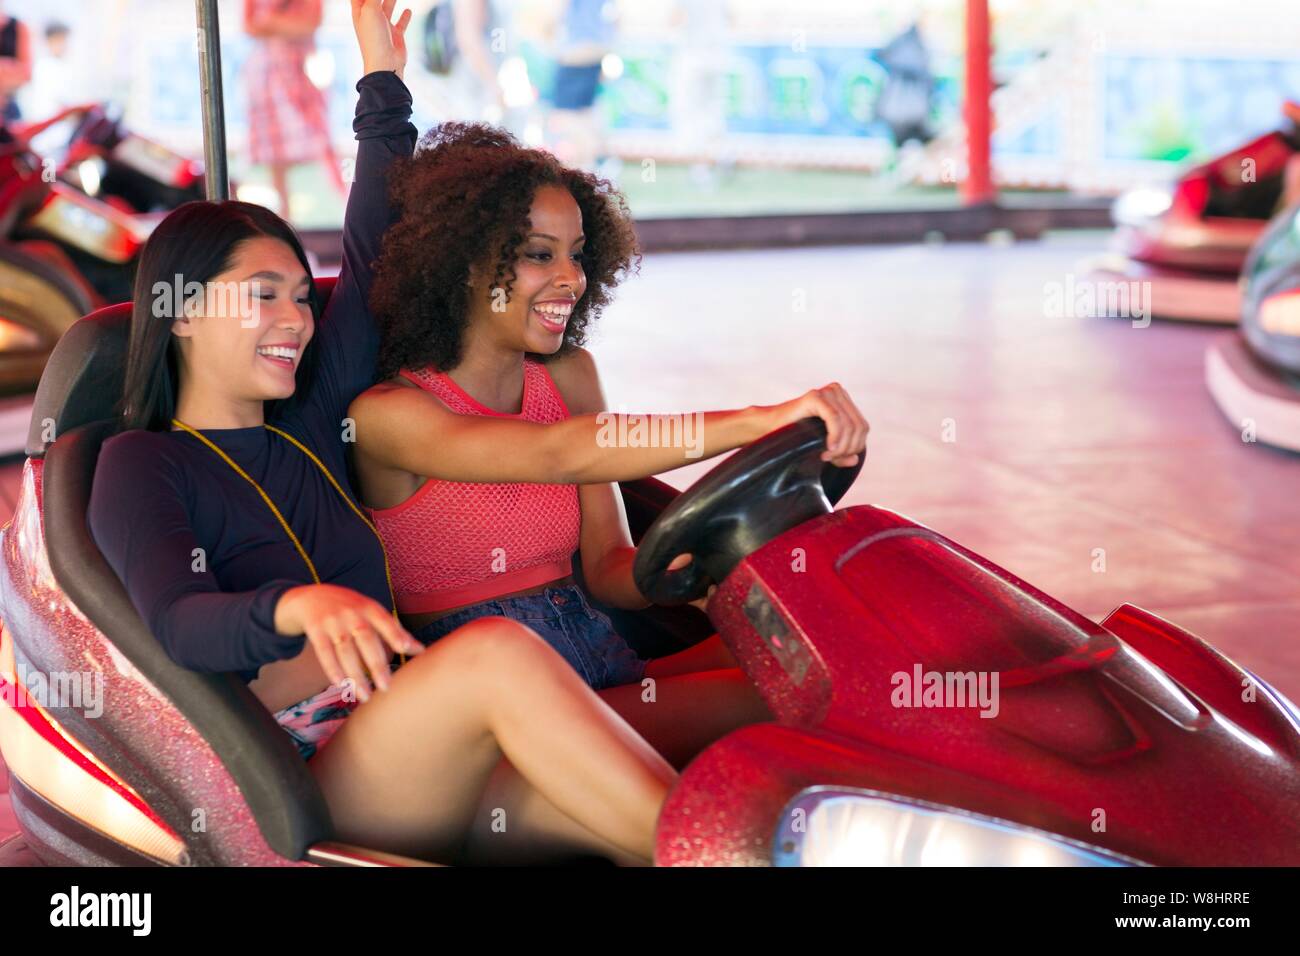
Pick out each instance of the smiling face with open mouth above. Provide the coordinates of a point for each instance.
(246, 337)
(549, 279)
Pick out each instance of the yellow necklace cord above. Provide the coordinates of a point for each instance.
(311, 567)
(388, 575)
(265, 497)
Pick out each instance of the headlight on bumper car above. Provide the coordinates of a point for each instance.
(828, 826)
(1142, 206)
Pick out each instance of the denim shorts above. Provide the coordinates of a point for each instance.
(562, 617)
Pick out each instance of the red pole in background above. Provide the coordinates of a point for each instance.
(978, 185)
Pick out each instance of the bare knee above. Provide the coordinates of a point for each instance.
(496, 648)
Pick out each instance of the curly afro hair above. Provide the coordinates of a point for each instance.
(462, 201)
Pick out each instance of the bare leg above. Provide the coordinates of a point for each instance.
(407, 770)
(280, 183)
(575, 136)
(516, 824)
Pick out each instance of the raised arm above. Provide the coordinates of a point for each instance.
(348, 340)
(384, 132)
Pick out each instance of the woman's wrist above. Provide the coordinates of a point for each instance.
(286, 617)
(618, 585)
(382, 67)
(759, 420)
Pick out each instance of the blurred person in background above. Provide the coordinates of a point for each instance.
(906, 98)
(51, 88)
(15, 64)
(462, 45)
(288, 121)
(585, 35)
(697, 106)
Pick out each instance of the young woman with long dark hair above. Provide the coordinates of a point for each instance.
(224, 508)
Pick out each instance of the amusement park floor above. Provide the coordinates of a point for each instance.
(1082, 454)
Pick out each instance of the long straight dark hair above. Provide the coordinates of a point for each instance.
(196, 242)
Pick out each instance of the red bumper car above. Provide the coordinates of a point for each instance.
(1188, 242)
(931, 708)
(934, 709)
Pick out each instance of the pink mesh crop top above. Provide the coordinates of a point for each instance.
(458, 542)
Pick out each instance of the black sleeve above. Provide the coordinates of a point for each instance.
(140, 520)
(349, 342)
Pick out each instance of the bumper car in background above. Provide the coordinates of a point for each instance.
(105, 159)
(1187, 242)
(72, 220)
(1254, 374)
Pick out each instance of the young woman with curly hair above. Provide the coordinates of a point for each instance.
(484, 451)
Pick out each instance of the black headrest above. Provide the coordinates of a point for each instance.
(82, 381)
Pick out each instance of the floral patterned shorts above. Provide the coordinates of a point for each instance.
(313, 721)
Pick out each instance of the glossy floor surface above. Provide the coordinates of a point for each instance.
(1083, 454)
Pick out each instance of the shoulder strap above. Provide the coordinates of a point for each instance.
(543, 386)
(417, 378)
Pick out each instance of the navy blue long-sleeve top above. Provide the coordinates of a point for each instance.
(161, 496)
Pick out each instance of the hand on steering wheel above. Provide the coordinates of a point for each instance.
(702, 603)
(765, 489)
(846, 426)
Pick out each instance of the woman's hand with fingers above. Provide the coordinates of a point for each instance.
(846, 426)
(382, 42)
(353, 637)
(680, 562)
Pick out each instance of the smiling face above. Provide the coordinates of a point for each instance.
(549, 280)
(243, 340)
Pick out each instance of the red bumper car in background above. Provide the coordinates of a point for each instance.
(1189, 241)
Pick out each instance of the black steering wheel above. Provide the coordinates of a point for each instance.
(765, 489)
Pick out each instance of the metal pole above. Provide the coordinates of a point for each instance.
(215, 179)
(978, 186)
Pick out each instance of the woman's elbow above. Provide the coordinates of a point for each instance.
(559, 458)
(180, 646)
